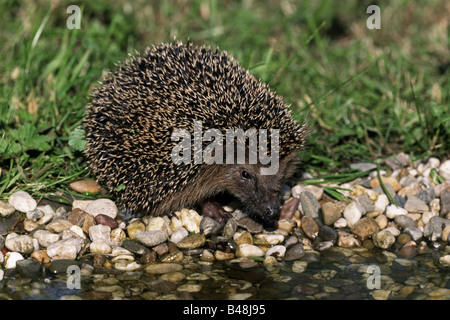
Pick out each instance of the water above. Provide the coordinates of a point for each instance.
(336, 273)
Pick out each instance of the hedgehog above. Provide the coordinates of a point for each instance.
(132, 115)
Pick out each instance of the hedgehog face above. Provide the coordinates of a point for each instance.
(259, 194)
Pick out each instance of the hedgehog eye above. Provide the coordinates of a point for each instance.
(245, 175)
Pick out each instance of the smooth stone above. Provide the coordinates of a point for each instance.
(299, 266)
(289, 208)
(45, 238)
(445, 203)
(190, 220)
(100, 232)
(102, 206)
(403, 221)
(82, 186)
(22, 201)
(445, 234)
(221, 255)
(352, 213)
(390, 190)
(415, 233)
(11, 259)
(295, 252)
(346, 240)
(106, 220)
(365, 203)
(340, 223)
(426, 195)
(174, 277)
(414, 204)
(151, 238)
(399, 200)
(134, 247)
(249, 224)
(127, 265)
(35, 215)
(381, 203)
(61, 266)
(386, 180)
(6, 209)
(100, 246)
(310, 205)
(82, 219)
(268, 239)
(207, 256)
(363, 166)
(310, 227)
(392, 211)
(380, 294)
(365, 228)
(331, 212)
(22, 244)
(58, 226)
(382, 221)
(160, 268)
(159, 223)
(244, 238)
(433, 229)
(277, 251)
(117, 236)
(176, 256)
(29, 268)
(187, 287)
(210, 226)
(383, 239)
(135, 227)
(445, 260)
(327, 233)
(230, 228)
(191, 242)
(249, 250)
(64, 249)
(178, 235)
(316, 191)
(40, 256)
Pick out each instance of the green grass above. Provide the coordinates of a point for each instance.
(365, 94)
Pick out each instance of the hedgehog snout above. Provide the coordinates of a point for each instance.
(272, 213)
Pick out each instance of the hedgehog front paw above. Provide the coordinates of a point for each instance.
(215, 211)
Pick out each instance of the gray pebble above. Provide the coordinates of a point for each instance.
(134, 247)
(433, 229)
(365, 203)
(295, 252)
(210, 226)
(151, 238)
(403, 221)
(414, 232)
(445, 203)
(426, 195)
(29, 268)
(310, 205)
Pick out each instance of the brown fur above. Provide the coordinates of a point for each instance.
(132, 115)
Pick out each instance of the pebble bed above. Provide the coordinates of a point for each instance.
(321, 248)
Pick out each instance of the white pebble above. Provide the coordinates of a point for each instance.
(22, 201)
(340, 223)
(11, 258)
(299, 266)
(381, 203)
(352, 213)
(64, 249)
(100, 232)
(102, 206)
(249, 250)
(22, 244)
(277, 251)
(179, 234)
(271, 239)
(392, 211)
(45, 238)
(100, 246)
(191, 220)
(444, 170)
